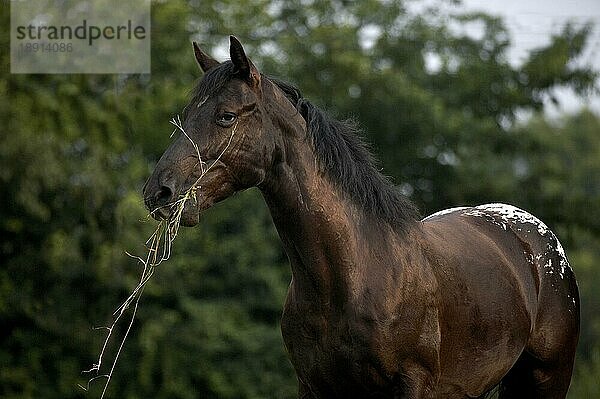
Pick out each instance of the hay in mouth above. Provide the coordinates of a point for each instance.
(158, 247)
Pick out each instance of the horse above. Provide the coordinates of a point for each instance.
(463, 303)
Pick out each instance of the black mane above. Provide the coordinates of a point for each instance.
(348, 162)
(342, 154)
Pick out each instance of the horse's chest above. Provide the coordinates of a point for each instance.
(334, 357)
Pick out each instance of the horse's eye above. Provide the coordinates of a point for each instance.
(226, 119)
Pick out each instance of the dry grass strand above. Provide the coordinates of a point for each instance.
(158, 246)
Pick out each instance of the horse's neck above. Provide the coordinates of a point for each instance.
(333, 244)
(317, 225)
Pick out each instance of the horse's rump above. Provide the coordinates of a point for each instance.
(503, 279)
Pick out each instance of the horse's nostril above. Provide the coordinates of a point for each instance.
(163, 195)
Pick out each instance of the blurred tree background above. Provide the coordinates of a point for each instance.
(76, 149)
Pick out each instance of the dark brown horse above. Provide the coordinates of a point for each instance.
(381, 304)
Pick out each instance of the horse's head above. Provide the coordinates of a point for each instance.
(225, 142)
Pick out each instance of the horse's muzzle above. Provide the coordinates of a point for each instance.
(159, 194)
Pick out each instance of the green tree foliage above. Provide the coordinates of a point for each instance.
(75, 151)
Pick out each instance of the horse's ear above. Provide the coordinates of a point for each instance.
(243, 66)
(205, 61)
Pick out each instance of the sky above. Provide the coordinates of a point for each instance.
(532, 22)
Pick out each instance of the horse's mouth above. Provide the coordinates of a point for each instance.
(161, 213)
(190, 214)
(213, 189)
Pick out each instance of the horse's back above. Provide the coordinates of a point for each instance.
(505, 287)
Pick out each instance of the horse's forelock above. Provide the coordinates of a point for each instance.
(211, 83)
